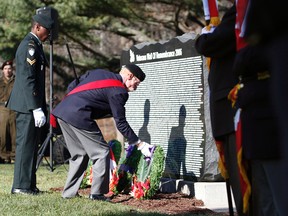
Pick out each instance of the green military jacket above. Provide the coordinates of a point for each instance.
(5, 89)
(28, 92)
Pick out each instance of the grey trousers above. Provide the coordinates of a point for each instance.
(84, 145)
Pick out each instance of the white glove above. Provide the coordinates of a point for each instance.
(206, 31)
(146, 149)
(39, 117)
(135, 143)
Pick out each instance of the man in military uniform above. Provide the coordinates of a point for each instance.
(28, 100)
(7, 116)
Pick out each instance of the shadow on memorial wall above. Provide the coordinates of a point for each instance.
(143, 134)
(176, 152)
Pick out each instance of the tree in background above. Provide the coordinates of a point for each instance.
(98, 31)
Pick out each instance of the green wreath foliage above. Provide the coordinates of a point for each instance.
(148, 175)
(134, 174)
(127, 167)
(116, 148)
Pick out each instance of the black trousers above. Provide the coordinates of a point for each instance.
(26, 152)
(278, 51)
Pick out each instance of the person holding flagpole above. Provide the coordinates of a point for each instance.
(264, 98)
(219, 44)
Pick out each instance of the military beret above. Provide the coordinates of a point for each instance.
(136, 71)
(44, 20)
(9, 62)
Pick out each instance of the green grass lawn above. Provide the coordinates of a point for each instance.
(51, 202)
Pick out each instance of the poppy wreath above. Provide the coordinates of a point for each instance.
(146, 180)
(115, 154)
(122, 177)
(138, 175)
(132, 173)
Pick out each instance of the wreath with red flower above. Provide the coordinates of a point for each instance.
(138, 175)
(115, 154)
(132, 173)
(122, 176)
(147, 178)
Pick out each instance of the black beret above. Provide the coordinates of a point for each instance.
(9, 62)
(136, 71)
(44, 20)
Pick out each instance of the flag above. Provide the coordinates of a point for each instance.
(211, 12)
(113, 164)
(211, 15)
(240, 25)
(232, 96)
(241, 10)
(244, 181)
(221, 161)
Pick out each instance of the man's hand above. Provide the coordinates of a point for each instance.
(208, 29)
(146, 149)
(39, 117)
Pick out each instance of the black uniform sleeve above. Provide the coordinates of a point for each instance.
(222, 40)
(249, 61)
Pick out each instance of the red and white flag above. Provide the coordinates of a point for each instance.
(240, 25)
(210, 8)
(113, 164)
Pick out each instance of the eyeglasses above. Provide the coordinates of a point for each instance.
(135, 80)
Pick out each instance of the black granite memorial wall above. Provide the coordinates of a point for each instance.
(168, 107)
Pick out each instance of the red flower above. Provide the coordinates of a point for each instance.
(114, 181)
(91, 176)
(140, 189)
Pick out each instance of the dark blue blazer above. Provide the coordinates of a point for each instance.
(82, 108)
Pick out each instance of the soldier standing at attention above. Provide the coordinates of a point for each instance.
(28, 100)
(7, 116)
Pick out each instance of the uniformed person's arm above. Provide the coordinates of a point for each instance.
(222, 40)
(30, 81)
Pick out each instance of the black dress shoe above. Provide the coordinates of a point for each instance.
(100, 197)
(36, 190)
(22, 191)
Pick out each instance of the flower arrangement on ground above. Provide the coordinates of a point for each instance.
(147, 178)
(115, 155)
(87, 179)
(122, 177)
(132, 173)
